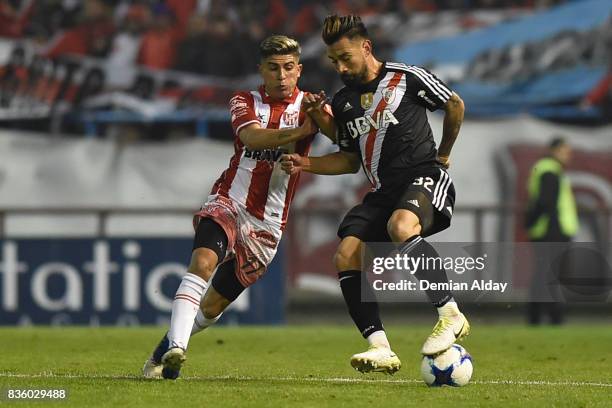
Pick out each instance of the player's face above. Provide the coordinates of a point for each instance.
(564, 154)
(349, 59)
(280, 74)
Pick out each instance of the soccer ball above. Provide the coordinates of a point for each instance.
(451, 367)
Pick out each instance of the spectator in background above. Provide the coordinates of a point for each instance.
(221, 37)
(182, 10)
(308, 18)
(126, 43)
(12, 76)
(551, 218)
(159, 43)
(48, 18)
(14, 18)
(252, 36)
(191, 53)
(277, 17)
(92, 35)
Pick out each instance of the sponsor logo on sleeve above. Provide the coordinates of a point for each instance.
(423, 95)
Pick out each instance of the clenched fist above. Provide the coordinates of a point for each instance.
(293, 163)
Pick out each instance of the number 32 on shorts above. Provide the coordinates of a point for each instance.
(426, 182)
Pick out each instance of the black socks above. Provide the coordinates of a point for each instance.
(365, 314)
(433, 272)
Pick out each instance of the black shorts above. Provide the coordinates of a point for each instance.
(430, 195)
(210, 235)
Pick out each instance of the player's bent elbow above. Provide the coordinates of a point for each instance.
(455, 104)
(247, 141)
(249, 138)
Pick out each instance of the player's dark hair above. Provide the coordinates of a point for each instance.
(335, 27)
(279, 45)
(557, 141)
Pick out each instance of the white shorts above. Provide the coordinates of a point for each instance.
(251, 241)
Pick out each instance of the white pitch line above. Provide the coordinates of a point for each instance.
(310, 379)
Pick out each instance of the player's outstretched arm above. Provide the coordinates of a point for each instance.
(255, 137)
(453, 118)
(315, 105)
(330, 164)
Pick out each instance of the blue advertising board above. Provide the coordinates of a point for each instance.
(113, 282)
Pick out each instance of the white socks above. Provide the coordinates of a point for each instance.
(201, 322)
(379, 338)
(184, 309)
(449, 309)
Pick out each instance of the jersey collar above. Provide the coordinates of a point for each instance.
(265, 98)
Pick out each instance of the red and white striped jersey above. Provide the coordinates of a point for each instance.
(255, 179)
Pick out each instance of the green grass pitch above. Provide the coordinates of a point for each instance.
(307, 366)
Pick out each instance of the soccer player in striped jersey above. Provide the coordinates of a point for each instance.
(381, 124)
(238, 229)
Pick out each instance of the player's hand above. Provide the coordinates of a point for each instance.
(293, 163)
(444, 161)
(313, 103)
(309, 127)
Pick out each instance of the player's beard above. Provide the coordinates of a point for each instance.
(353, 80)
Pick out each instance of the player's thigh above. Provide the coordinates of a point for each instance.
(348, 254)
(209, 248)
(429, 198)
(367, 221)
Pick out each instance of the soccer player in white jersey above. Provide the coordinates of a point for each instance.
(381, 124)
(238, 229)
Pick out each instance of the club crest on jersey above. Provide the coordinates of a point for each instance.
(290, 119)
(363, 125)
(366, 100)
(389, 94)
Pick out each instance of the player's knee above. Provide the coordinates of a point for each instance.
(402, 226)
(345, 260)
(202, 264)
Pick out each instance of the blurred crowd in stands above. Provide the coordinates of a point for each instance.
(80, 66)
(194, 35)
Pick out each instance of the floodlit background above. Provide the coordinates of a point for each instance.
(114, 125)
